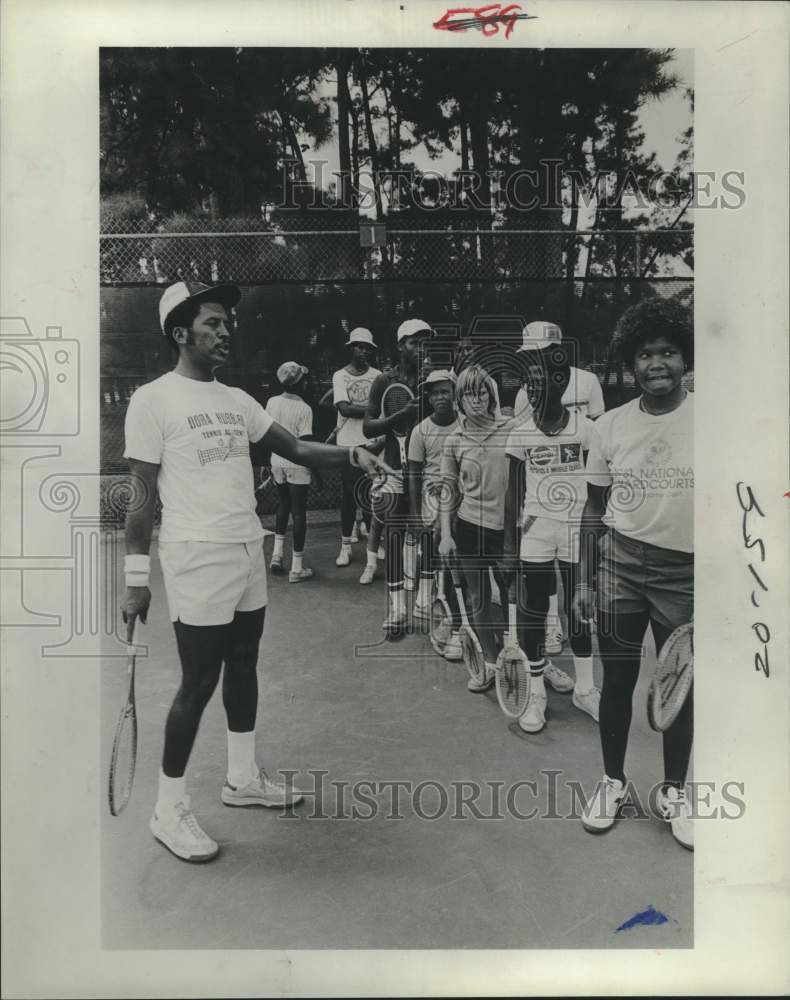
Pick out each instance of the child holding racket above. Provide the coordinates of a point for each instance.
(474, 469)
(292, 481)
(584, 396)
(396, 420)
(639, 516)
(425, 487)
(188, 441)
(351, 387)
(546, 495)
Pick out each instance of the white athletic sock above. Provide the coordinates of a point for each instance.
(345, 543)
(583, 665)
(373, 559)
(296, 562)
(241, 758)
(536, 673)
(279, 545)
(171, 791)
(398, 600)
(424, 591)
(554, 607)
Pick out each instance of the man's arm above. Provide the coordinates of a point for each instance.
(316, 455)
(139, 528)
(351, 410)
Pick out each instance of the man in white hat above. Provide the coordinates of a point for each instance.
(583, 396)
(188, 440)
(351, 387)
(393, 497)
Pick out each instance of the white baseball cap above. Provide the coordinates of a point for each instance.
(440, 375)
(538, 335)
(411, 326)
(290, 372)
(181, 291)
(359, 335)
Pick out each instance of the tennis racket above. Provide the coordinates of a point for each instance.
(474, 658)
(512, 671)
(441, 624)
(672, 678)
(124, 745)
(395, 397)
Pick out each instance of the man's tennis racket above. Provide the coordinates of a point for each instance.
(472, 651)
(672, 678)
(124, 745)
(441, 625)
(512, 671)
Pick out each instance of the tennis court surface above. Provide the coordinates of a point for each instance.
(361, 865)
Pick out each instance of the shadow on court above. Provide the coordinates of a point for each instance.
(361, 865)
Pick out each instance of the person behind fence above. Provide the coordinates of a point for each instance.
(474, 469)
(351, 387)
(425, 489)
(188, 440)
(391, 501)
(292, 481)
(545, 499)
(640, 516)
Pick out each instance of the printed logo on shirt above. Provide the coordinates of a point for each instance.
(224, 433)
(659, 452)
(359, 389)
(554, 458)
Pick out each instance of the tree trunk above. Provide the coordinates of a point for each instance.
(347, 198)
(372, 147)
(464, 136)
(291, 139)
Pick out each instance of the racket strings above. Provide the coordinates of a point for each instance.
(123, 761)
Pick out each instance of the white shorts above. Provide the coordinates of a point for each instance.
(207, 582)
(544, 539)
(298, 475)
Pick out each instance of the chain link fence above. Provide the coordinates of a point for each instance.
(304, 290)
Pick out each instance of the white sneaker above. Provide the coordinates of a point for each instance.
(553, 635)
(368, 574)
(601, 811)
(355, 535)
(181, 834)
(298, 575)
(395, 623)
(276, 565)
(534, 716)
(452, 650)
(422, 611)
(485, 683)
(676, 810)
(557, 678)
(587, 701)
(261, 791)
(344, 558)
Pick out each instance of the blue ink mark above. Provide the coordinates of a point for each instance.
(648, 916)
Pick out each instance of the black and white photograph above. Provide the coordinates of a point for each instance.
(369, 484)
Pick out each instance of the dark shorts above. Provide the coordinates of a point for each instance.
(638, 578)
(475, 540)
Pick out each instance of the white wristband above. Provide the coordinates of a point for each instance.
(137, 563)
(137, 570)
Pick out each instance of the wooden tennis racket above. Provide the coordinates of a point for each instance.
(441, 623)
(671, 681)
(395, 397)
(512, 671)
(474, 658)
(124, 745)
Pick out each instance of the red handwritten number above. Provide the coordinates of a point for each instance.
(487, 18)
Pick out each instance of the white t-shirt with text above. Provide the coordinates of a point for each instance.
(199, 434)
(648, 460)
(348, 388)
(556, 483)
